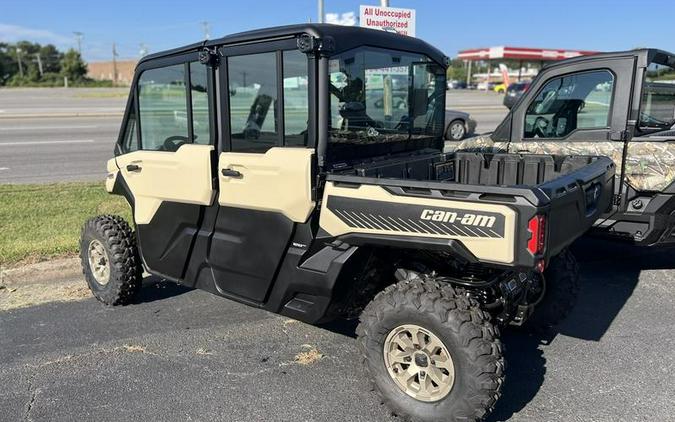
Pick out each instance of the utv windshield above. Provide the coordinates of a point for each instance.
(384, 101)
(657, 111)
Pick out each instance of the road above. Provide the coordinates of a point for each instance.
(180, 354)
(52, 135)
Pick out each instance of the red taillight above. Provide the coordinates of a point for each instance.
(537, 228)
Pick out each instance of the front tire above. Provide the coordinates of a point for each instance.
(445, 362)
(110, 261)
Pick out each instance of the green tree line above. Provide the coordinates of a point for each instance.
(31, 64)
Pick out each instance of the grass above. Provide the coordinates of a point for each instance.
(39, 222)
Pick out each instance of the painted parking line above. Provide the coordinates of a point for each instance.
(73, 141)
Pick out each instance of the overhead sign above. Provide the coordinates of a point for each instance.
(391, 19)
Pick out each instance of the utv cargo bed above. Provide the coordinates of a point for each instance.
(504, 209)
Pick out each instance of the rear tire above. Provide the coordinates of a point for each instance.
(442, 315)
(110, 261)
(562, 289)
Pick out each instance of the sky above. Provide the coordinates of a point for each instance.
(451, 25)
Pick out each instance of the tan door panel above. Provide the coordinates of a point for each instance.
(279, 180)
(182, 176)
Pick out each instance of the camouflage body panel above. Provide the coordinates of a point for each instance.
(481, 143)
(650, 166)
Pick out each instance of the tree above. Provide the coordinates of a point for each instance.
(51, 59)
(457, 70)
(72, 66)
(8, 65)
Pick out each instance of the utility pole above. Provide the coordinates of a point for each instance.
(322, 15)
(384, 3)
(18, 59)
(39, 61)
(206, 26)
(78, 37)
(114, 63)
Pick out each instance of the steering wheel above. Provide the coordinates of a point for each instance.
(172, 143)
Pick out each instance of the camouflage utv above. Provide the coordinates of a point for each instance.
(620, 105)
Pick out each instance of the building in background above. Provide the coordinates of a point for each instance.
(103, 71)
(527, 61)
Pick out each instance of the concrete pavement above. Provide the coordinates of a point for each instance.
(180, 354)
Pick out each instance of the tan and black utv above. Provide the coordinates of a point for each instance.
(300, 170)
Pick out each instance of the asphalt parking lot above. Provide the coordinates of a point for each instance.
(180, 354)
(53, 135)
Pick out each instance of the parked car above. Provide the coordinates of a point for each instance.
(457, 85)
(514, 92)
(500, 88)
(487, 86)
(458, 125)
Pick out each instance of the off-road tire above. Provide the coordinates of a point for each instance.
(466, 331)
(562, 289)
(119, 243)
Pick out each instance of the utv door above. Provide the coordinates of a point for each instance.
(574, 109)
(265, 169)
(165, 159)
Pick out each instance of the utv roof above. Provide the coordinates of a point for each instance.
(645, 55)
(344, 37)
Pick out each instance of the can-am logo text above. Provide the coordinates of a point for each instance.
(452, 217)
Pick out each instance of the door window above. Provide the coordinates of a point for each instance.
(296, 98)
(200, 104)
(657, 108)
(253, 102)
(163, 108)
(130, 140)
(571, 102)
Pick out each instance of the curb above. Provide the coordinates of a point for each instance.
(56, 269)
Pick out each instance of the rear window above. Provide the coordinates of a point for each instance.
(383, 101)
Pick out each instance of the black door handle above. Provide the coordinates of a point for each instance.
(230, 173)
(133, 167)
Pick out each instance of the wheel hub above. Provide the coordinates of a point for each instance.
(419, 363)
(98, 262)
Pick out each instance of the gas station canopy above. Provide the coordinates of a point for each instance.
(520, 53)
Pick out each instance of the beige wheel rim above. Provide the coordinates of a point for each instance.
(419, 363)
(98, 262)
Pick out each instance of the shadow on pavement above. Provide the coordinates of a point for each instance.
(609, 273)
(155, 288)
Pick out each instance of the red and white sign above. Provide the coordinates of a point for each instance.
(533, 54)
(401, 21)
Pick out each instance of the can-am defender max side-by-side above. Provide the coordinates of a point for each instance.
(277, 168)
